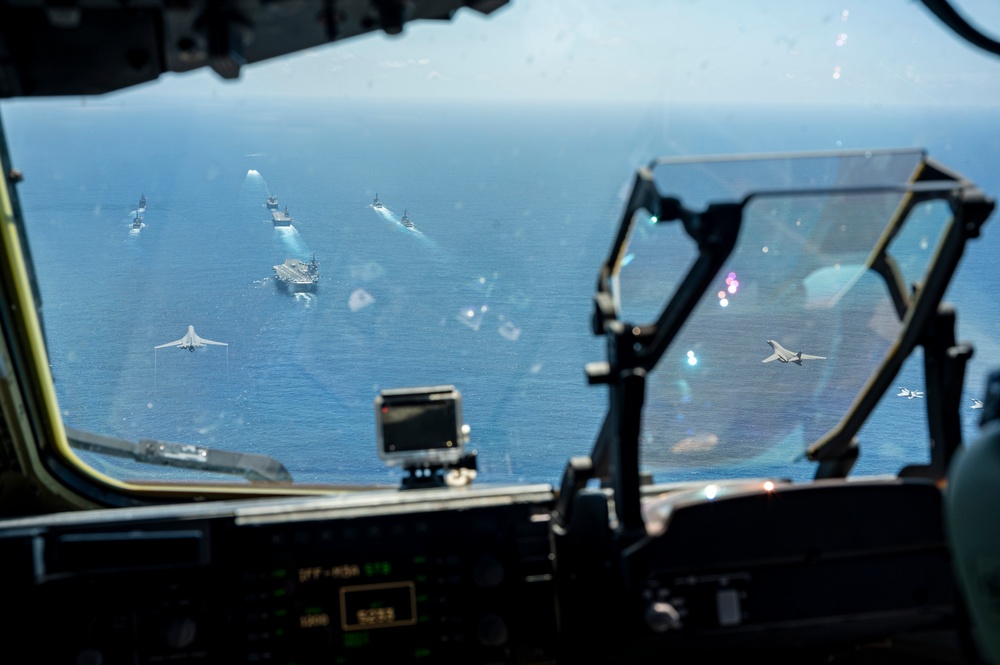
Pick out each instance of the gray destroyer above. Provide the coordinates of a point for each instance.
(295, 275)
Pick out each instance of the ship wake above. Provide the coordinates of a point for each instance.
(293, 242)
(254, 187)
(397, 222)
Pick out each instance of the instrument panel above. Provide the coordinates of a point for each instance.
(440, 577)
(486, 575)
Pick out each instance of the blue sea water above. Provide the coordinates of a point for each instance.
(514, 209)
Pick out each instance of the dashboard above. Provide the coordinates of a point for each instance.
(482, 575)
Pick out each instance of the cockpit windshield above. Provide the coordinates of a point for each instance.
(831, 256)
(243, 267)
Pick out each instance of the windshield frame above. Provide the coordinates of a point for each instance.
(634, 350)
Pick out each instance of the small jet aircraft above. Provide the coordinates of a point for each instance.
(911, 394)
(191, 341)
(976, 403)
(786, 356)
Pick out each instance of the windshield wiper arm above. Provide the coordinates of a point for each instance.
(186, 456)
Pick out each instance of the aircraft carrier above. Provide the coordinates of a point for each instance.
(281, 217)
(295, 275)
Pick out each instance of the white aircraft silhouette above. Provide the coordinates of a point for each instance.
(190, 341)
(905, 392)
(977, 403)
(786, 356)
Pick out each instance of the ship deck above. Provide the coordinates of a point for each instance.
(294, 271)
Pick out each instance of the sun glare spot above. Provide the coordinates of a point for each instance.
(764, 249)
(724, 302)
(711, 491)
(768, 486)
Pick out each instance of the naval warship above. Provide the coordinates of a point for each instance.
(295, 275)
(281, 217)
(272, 202)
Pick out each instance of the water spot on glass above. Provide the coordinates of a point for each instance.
(509, 331)
(359, 299)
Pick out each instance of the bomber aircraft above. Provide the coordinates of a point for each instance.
(191, 341)
(786, 356)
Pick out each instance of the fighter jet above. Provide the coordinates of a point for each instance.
(191, 341)
(786, 356)
(911, 394)
(977, 403)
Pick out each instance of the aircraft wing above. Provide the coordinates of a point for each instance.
(208, 341)
(773, 356)
(806, 356)
(177, 343)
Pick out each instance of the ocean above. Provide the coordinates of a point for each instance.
(514, 209)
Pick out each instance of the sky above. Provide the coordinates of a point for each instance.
(875, 52)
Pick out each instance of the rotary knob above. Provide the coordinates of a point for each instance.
(492, 631)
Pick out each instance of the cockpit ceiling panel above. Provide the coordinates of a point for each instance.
(49, 49)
